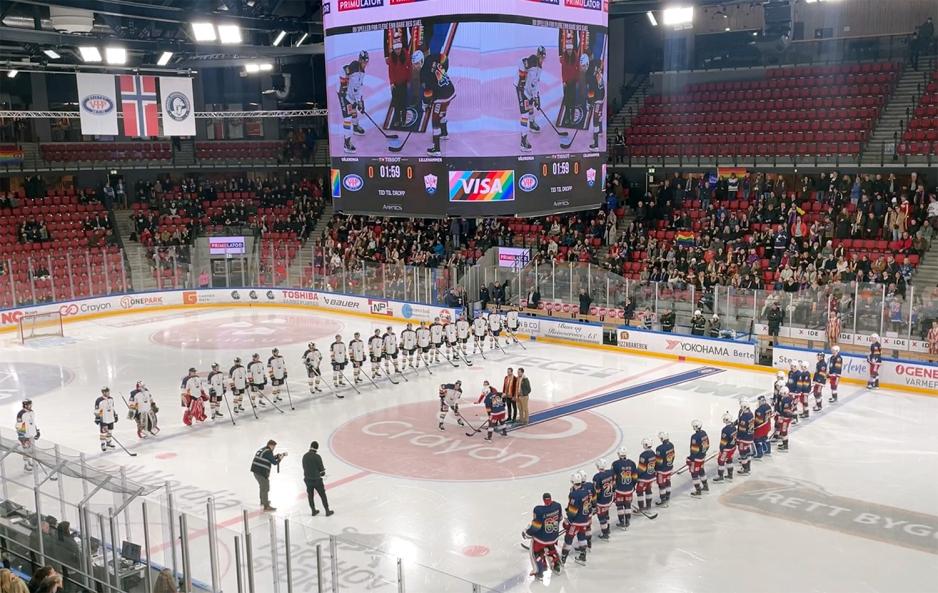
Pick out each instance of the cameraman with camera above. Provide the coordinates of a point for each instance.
(260, 467)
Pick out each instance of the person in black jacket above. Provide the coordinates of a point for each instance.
(260, 467)
(698, 324)
(667, 321)
(313, 471)
(585, 302)
(775, 318)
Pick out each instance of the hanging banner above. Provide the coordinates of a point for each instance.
(177, 106)
(97, 104)
(138, 103)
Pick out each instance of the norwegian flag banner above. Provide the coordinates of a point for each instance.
(140, 105)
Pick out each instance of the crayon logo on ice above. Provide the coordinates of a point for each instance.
(336, 183)
(482, 186)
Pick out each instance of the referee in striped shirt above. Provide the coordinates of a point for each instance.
(260, 467)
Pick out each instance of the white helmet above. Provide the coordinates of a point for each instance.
(663, 435)
(576, 478)
(715, 316)
(697, 312)
(743, 404)
(793, 364)
(803, 363)
(727, 418)
(696, 424)
(875, 337)
(601, 463)
(836, 349)
(780, 375)
(623, 453)
(646, 443)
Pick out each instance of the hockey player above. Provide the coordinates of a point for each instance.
(376, 352)
(874, 359)
(544, 531)
(238, 376)
(529, 94)
(591, 491)
(699, 445)
(462, 333)
(312, 358)
(780, 381)
(257, 378)
(436, 339)
(390, 351)
(595, 95)
(495, 407)
(727, 448)
(604, 487)
(452, 342)
(835, 366)
(409, 345)
(27, 432)
(495, 330)
(745, 425)
(438, 93)
(762, 425)
(646, 475)
(794, 377)
(277, 369)
(351, 98)
(820, 379)
(626, 474)
(105, 416)
(356, 351)
(479, 328)
(216, 390)
(512, 324)
(423, 344)
(339, 357)
(449, 401)
(804, 387)
(144, 409)
(785, 418)
(664, 466)
(579, 517)
(193, 394)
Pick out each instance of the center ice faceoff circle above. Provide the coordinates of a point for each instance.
(250, 331)
(404, 441)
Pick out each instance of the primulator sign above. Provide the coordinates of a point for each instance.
(226, 245)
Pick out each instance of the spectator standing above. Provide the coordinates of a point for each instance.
(260, 467)
(534, 297)
(585, 302)
(313, 472)
(510, 391)
(775, 320)
(524, 392)
(667, 321)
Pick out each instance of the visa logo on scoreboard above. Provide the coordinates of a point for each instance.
(482, 186)
(356, 4)
(336, 183)
(590, 4)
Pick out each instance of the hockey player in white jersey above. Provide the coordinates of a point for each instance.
(423, 344)
(351, 98)
(479, 329)
(277, 369)
(409, 345)
(105, 416)
(495, 330)
(27, 431)
(463, 329)
(512, 324)
(356, 350)
(376, 352)
(529, 94)
(238, 375)
(452, 342)
(449, 401)
(193, 394)
(216, 390)
(436, 339)
(338, 354)
(390, 351)
(144, 409)
(257, 377)
(312, 358)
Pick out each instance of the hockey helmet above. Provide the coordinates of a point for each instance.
(743, 404)
(836, 349)
(256, 356)
(875, 337)
(417, 58)
(697, 312)
(390, 329)
(601, 463)
(338, 338)
(237, 359)
(311, 345)
(458, 382)
(142, 385)
(715, 316)
(793, 364)
(541, 51)
(646, 443)
(576, 478)
(663, 435)
(803, 363)
(623, 453)
(783, 391)
(275, 351)
(192, 369)
(27, 403)
(363, 56)
(761, 399)
(780, 375)
(696, 424)
(408, 326)
(436, 320)
(820, 355)
(105, 390)
(214, 365)
(727, 418)
(377, 332)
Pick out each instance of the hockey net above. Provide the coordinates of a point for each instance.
(40, 325)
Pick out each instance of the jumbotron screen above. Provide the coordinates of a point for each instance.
(466, 107)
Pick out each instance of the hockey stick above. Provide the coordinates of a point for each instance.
(331, 386)
(387, 376)
(512, 335)
(465, 359)
(362, 370)
(450, 360)
(499, 345)
(426, 364)
(274, 404)
(476, 431)
(224, 396)
(645, 513)
(482, 348)
(561, 133)
(355, 387)
(289, 396)
(400, 146)
(401, 373)
(463, 418)
(383, 133)
(121, 445)
(251, 401)
(568, 144)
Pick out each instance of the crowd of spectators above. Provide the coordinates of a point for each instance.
(33, 231)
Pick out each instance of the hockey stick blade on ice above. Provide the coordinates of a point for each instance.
(121, 445)
(377, 127)
(566, 145)
(645, 513)
(399, 147)
(561, 133)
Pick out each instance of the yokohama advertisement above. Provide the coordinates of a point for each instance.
(686, 346)
(918, 375)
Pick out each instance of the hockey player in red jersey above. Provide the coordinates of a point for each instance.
(626, 473)
(544, 531)
(646, 475)
(604, 489)
(579, 517)
(727, 448)
(664, 466)
(699, 445)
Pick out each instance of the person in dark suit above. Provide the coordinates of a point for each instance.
(534, 298)
(313, 471)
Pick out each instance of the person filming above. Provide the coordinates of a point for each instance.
(260, 467)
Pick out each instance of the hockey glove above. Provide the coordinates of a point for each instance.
(537, 102)
(37, 435)
(361, 105)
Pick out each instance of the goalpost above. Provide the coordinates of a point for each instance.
(40, 325)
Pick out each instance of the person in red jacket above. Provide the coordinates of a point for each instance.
(400, 70)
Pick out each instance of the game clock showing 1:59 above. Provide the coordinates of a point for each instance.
(386, 171)
(558, 168)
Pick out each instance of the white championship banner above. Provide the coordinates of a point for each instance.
(97, 104)
(177, 106)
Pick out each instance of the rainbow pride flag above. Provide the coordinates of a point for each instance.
(685, 238)
(336, 183)
(482, 186)
(10, 155)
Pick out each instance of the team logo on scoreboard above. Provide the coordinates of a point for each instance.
(353, 182)
(430, 183)
(527, 182)
(482, 186)
(591, 177)
(336, 183)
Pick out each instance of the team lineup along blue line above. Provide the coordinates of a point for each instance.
(618, 395)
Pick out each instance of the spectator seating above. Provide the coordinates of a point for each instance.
(921, 135)
(239, 150)
(809, 110)
(105, 151)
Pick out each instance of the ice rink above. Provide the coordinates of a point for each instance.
(852, 507)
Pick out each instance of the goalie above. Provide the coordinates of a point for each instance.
(143, 410)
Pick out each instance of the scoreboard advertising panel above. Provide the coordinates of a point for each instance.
(466, 107)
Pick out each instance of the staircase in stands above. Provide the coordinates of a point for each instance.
(894, 118)
(141, 272)
(623, 118)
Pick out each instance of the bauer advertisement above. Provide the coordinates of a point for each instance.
(471, 114)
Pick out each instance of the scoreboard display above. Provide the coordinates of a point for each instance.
(445, 107)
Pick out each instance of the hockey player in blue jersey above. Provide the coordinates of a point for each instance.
(699, 445)
(874, 359)
(835, 366)
(745, 425)
(544, 531)
(819, 380)
(664, 466)
(626, 473)
(578, 517)
(763, 425)
(591, 492)
(804, 387)
(604, 486)
(646, 475)
(727, 449)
